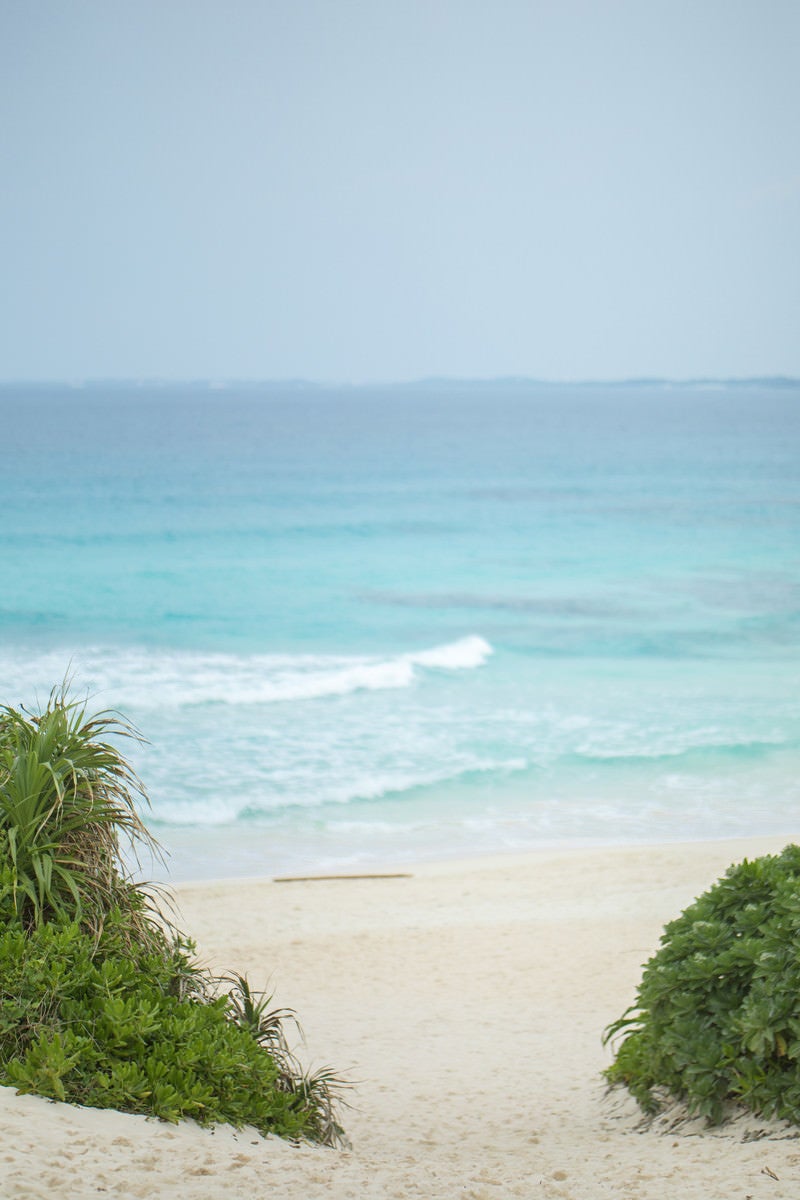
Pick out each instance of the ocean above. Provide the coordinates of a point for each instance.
(361, 626)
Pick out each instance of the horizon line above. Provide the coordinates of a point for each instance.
(223, 383)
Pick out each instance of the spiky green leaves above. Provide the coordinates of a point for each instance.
(67, 799)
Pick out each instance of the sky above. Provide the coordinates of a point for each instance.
(347, 191)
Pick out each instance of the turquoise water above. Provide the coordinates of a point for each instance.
(362, 625)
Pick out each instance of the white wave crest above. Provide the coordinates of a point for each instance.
(145, 679)
(465, 654)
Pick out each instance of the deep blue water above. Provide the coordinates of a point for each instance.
(362, 624)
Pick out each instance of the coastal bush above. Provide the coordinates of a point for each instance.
(717, 1014)
(94, 1024)
(102, 1002)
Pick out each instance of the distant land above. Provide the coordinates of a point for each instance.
(438, 383)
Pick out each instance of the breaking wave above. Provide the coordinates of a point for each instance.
(145, 679)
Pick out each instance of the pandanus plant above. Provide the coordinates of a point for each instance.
(67, 805)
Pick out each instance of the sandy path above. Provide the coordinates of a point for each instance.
(468, 1002)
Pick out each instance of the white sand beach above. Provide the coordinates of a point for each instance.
(467, 1003)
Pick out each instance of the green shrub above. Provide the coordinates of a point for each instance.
(93, 1024)
(717, 1013)
(101, 1000)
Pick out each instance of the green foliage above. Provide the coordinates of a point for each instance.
(67, 797)
(101, 1000)
(717, 1013)
(92, 1024)
(316, 1092)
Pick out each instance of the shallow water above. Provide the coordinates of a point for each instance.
(361, 625)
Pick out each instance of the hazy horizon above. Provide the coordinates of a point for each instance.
(643, 381)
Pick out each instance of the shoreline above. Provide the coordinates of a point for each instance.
(488, 859)
(466, 1003)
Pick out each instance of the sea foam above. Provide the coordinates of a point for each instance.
(145, 679)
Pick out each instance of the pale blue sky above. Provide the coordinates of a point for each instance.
(390, 189)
